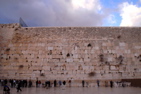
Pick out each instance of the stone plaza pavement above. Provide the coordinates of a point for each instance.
(77, 90)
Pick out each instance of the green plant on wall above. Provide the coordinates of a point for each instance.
(91, 74)
(120, 59)
(8, 49)
(101, 58)
(21, 66)
(42, 74)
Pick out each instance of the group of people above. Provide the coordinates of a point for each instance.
(56, 83)
(6, 88)
(24, 83)
(14, 84)
(108, 83)
(47, 84)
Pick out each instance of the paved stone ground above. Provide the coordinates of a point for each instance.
(77, 90)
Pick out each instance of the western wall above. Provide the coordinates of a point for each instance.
(76, 53)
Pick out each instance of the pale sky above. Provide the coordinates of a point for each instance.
(71, 12)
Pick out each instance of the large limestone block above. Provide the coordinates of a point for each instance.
(46, 67)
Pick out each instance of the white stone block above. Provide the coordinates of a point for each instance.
(112, 67)
(69, 60)
(110, 59)
(137, 47)
(50, 48)
(96, 47)
(122, 44)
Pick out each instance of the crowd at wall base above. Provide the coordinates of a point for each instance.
(7, 84)
(56, 83)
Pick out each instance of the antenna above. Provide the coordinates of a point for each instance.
(22, 23)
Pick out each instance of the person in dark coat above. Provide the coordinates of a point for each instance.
(37, 83)
(29, 83)
(25, 83)
(6, 89)
(19, 87)
(55, 83)
(98, 83)
(11, 82)
(5, 81)
(83, 83)
(64, 84)
(49, 84)
(111, 84)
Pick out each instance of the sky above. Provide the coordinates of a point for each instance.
(76, 13)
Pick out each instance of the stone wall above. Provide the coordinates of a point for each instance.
(77, 53)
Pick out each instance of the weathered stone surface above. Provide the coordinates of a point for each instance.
(69, 52)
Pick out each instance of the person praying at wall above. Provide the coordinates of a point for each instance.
(25, 83)
(106, 84)
(69, 83)
(5, 81)
(83, 83)
(87, 84)
(29, 83)
(49, 84)
(0, 82)
(46, 84)
(111, 84)
(60, 83)
(37, 83)
(55, 83)
(14, 83)
(64, 84)
(98, 83)
(11, 82)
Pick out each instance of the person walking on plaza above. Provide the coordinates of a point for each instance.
(6, 89)
(19, 86)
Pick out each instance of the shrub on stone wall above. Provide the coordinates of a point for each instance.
(42, 74)
(101, 58)
(119, 37)
(120, 59)
(21, 66)
(8, 49)
(91, 74)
